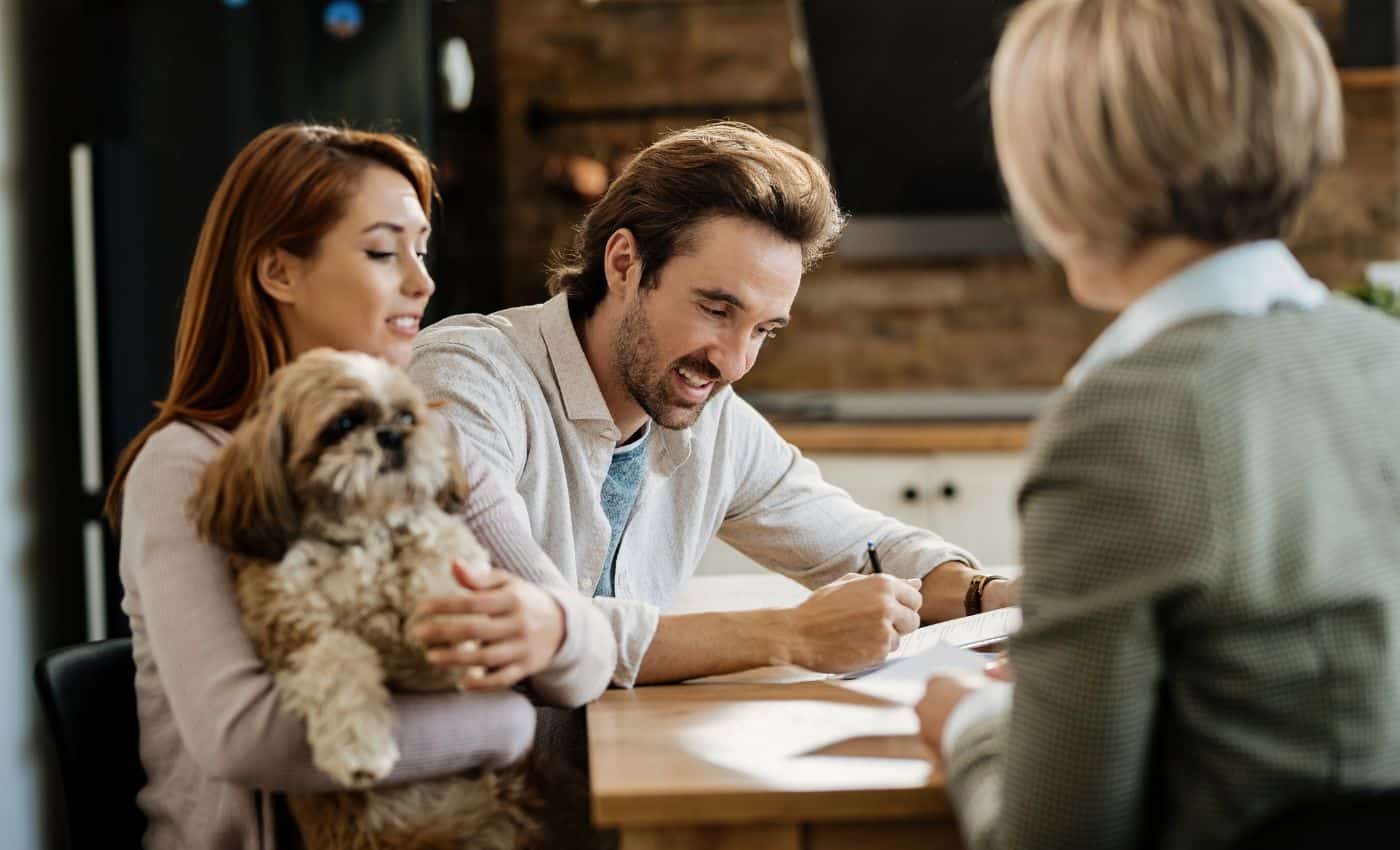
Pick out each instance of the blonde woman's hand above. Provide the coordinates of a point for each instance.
(1000, 668)
(945, 692)
(501, 630)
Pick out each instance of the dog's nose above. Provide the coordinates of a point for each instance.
(389, 438)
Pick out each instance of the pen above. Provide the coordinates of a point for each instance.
(874, 557)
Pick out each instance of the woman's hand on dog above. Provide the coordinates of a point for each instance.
(501, 630)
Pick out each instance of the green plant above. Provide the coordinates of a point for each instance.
(1380, 297)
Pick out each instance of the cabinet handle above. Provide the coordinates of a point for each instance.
(949, 490)
(910, 494)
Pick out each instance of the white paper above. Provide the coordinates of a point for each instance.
(903, 680)
(977, 630)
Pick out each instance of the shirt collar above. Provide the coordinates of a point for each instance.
(635, 445)
(583, 399)
(578, 386)
(1246, 280)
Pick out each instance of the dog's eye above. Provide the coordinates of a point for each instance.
(406, 417)
(342, 425)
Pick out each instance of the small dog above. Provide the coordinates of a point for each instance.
(334, 497)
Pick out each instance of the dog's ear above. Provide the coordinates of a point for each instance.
(244, 501)
(452, 496)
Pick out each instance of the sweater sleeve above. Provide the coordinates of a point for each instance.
(582, 667)
(222, 698)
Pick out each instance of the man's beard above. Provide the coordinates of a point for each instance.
(649, 383)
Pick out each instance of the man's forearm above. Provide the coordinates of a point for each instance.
(944, 591)
(687, 646)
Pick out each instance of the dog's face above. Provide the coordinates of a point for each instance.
(355, 435)
(335, 434)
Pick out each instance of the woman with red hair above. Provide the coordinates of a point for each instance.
(315, 237)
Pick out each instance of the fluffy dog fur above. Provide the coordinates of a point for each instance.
(334, 500)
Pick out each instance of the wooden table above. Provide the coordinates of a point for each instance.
(738, 764)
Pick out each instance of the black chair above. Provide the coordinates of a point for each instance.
(88, 693)
(1352, 820)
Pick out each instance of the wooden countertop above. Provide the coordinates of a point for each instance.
(906, 437)
(1369, 78)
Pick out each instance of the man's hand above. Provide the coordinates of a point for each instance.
(502, 630)
(854, 622)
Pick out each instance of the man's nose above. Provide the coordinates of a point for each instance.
(731, 358)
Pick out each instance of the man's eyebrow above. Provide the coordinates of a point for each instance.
(733, 300)
(394, 226)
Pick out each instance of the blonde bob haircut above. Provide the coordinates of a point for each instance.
(1121, 121)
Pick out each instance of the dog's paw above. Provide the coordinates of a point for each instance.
(359, 761)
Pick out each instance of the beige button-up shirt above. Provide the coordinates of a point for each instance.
(517, 385)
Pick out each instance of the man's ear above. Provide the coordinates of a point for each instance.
(274, 270)
(622, 262)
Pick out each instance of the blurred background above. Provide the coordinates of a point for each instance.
(117, 118)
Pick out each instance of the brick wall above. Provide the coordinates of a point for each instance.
(973, 324)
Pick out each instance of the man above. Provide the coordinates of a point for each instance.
(609, 408)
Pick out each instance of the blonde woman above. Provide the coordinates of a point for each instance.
(1211, 591)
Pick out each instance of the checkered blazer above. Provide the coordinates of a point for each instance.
(1211, 541)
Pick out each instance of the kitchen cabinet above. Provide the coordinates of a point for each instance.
(967, 497)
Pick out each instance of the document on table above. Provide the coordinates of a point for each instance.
(958, 635)
(903, 680)
(932, 650)
(989, 627)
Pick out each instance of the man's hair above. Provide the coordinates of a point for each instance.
(1121, 121)
(688, 178)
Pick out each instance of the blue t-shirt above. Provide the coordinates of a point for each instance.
(620, 488)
